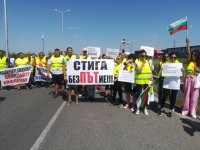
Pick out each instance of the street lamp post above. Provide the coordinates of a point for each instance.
(43, 43)
(6, 28)
(62, 15)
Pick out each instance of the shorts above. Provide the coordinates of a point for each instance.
(129, 89)
(58, 79)
(74, 87)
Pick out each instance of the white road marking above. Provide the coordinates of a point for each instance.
(44, 133)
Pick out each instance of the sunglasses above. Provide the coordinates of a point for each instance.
(173, 57)
(143, 55)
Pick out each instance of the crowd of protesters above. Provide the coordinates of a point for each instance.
(142, 65)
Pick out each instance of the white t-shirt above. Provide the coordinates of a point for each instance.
(172, 83)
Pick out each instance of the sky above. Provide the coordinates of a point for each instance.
(97, 23)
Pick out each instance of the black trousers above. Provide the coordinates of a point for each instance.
(160, 89)
(172, 97)
(117, 87)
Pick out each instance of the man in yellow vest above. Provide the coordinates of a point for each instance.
(57, 66)
(20, 62)
(84, 54)
(143, 78)
(71, 55)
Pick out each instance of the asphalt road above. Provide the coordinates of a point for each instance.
(32, 119)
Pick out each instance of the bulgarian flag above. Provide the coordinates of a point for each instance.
(143, 98)
(178, 26)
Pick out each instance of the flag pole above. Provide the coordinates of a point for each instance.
(187, 31)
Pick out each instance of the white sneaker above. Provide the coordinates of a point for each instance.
(159, 106)
(126, 107)
(137, 112)
(146, 112)
(132, 109)
(120, 106)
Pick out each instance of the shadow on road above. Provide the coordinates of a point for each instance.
(2, 99)
(190, 126)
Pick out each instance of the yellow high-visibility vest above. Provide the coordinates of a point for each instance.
(3, 63)
(146, 74)
(190, 69)
(21, 62)
(57, 64)
(117, 69)
(72, 57)
(41, 62)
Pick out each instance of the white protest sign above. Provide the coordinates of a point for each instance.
(90, 72)
(172, 70)
(126, 76)
(94, 52)
(113, 53)
(41, 74)
(14, 76)
(149, 50)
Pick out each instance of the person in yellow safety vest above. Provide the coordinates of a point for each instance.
(117, 87)
(171, 85)
(160, 78)
(57, 67)
(143, 77)
(20, 62)
(130, 88)
(41, 60)
(84, 54)
(191, 93)
(69, 56)
(4, 63)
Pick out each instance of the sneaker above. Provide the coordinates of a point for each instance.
(159, 106)
(170, 115)
(69, 102)
(193, 116)
(160, 113)
(126, 107)
(132, 110)
(137, 112)
(120, 106)
(146, 112)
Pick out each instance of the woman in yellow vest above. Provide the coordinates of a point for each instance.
(143, 78)
(161, 79)
(191, 94)
(171, 86)
(117, 87)
(20, 62)
(130, 88)
(41, 60)
(3, 61)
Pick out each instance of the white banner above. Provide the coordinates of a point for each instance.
(14, 76)
(113, 53)
(126, 76)
(149, 50)
(172, 70)
(90, 72)
(41, 74)
(94, 52)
